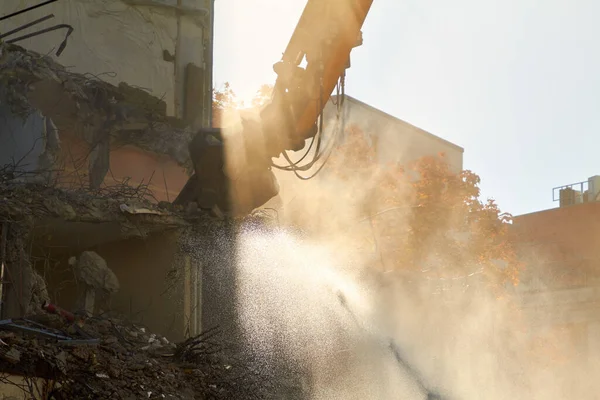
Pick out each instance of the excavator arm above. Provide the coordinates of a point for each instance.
(325, 35)
(316, 57)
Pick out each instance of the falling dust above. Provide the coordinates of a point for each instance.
(315, 303)
(292, 296)
(330, 317)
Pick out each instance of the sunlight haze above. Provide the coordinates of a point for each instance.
(513, 82)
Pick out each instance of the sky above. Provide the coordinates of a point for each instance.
(516, 83)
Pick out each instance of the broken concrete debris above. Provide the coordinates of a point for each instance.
(127, 362)
(39, 291)
(60, 208)
(100, 355)
(11, 355)
(120, 204)
(101, 114)
(95, 281)
(97, 357)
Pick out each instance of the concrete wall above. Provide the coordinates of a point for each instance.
(560, 246)
(396, 140)
(164, 177)
(143, 267)
(173, 281)
(25, 142)
(124, 41)
(147, 295)
(560, 285)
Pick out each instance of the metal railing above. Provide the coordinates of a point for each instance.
(584, 189)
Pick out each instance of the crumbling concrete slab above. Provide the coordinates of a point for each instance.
(98, 112)
(100, 357)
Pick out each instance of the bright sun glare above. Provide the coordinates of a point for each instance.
(251, 53)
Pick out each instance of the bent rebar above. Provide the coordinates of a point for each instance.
(20, 28)
(40, 32)
(26, 9)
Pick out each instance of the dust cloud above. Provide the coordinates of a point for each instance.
(315, 296)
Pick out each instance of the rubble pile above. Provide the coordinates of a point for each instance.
(22, 199)
(51, 208)
(31, 201)
(104, 358)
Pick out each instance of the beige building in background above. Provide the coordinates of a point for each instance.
(396, 140)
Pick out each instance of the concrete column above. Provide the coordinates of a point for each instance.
(198, 295)
(187, 298)
(194, 46)
(18, 276)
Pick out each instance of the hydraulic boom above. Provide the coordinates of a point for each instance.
(316, 57)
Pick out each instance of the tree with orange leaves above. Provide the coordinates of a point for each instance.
(262, 96)
(444, 229)
(428, 218)
(225, 100)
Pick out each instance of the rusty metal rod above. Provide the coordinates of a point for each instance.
(40, 32)
(54, 309)
(10, 324)
(25, 26)
(26, 9)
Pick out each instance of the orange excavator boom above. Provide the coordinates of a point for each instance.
(316, 57)
(326, 33)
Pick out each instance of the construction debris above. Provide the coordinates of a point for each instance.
(51, 212)
(104, 112)
(96, 282)
(27, 202)
(127, 362)
(64, 357)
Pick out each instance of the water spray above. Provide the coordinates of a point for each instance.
(396, 352)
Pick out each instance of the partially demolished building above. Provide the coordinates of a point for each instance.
(89, 167)
(58, 130)
(112, 154)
